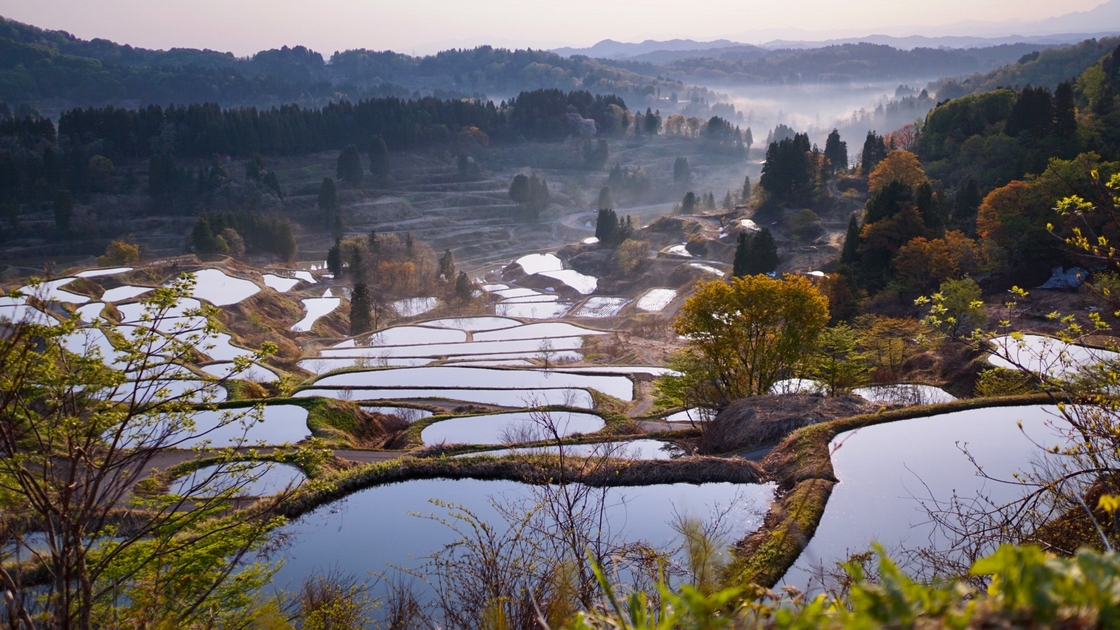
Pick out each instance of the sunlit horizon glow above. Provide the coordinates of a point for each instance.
(247, 26)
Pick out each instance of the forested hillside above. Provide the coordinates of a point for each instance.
(833, 64)
(1047, 68)
(970, 193)
(53, 71)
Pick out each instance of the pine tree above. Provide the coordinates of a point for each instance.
(928, 207)
(328, 204)
(357, 265)
(447, 266)
(874, 150)
(849, 255)
(681, 171)
(254, 168)
(742, 255)
(334, 259)
(836, 152)
(688, 204)
(463, 287)
(606, 227)
(361, 310)
(746, 193)
(519, 189)
(1065, 114)
(408, 243)
(764, 253)
(202, 238)
(606, 201)
(379, 158)
(349, 167)
(272, 183)
(286, 242)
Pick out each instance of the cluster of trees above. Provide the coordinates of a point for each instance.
(201, 130)
(35, 162)
(531, 193)
(1002, 135)
(974, 194)
(392, 267)
(610, 230)
(243, 232)
(756, 253)
(795, 173)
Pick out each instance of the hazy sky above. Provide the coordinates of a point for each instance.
(424, 26)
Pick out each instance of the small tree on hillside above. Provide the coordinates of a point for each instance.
(463, 287)
(202, 238)
(849, 255)
(874, 150)
(836, 152)
(329, 209)
(743, 335)
(681, 171)
(334, 259)
(119, 253)
(837, 363)
(606, 201)
(689, 203)
(379, 158)
(756, 254)
(447, 266)
(349, 168)
(361, 310)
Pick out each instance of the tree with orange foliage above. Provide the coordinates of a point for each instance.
(1015, 217)
(923, 264)
(898, 165)
(1000, 207)
(902, 139)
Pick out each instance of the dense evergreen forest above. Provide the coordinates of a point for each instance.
(35, 158)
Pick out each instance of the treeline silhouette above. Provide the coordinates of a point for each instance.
(201, 130)
(53, 69)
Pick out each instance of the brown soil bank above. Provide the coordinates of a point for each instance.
(761, 420)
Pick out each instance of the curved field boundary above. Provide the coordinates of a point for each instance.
(532, 469)
(801, 465)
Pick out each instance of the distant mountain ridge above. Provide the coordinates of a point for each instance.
(1070, 28)
(662, 52)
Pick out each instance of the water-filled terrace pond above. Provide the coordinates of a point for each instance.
(378, 527)
(508, 428)
(257, 479)
(885, 469)
(467, 377)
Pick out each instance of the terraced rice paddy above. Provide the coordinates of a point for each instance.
(257, 479)
(316, 308)
(509, 428)
(601, 307)
(886, 471)
(219, 289)
(655, 300)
